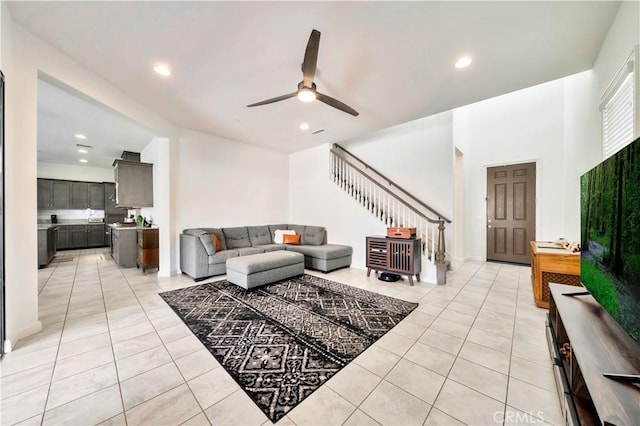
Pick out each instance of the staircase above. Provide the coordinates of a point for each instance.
(392, 205)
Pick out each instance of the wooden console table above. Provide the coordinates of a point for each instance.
(394, 255)
(555, 265)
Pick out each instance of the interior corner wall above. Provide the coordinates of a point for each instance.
(223, 183)
(520, 127)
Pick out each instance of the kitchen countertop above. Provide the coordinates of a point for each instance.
(126, 228)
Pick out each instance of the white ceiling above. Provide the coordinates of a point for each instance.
(391, 61)
(63, 113)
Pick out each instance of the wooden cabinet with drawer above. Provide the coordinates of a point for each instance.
(148, 248)
(552, 264)
(394, 255)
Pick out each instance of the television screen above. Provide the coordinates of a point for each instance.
(610, 210)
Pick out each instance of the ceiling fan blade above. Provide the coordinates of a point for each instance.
(310, 58)
(272, 100)
(336, 104)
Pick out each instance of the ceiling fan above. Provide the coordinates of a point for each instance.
(307, 88)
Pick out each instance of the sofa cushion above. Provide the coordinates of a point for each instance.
(222, 256)
(236, 237)
(278, 237)
(247, 251)
(267, 261)
(272, 247)
(293, 239)
(273, 228)
(259, 235)
(298, 228)
(206, 241)
(313, 235)
(217, 244)
(201, 231)
(326, 251)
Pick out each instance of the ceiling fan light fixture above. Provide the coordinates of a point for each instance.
(306, 95)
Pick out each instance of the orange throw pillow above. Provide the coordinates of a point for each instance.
(291, 239)
(217, 245)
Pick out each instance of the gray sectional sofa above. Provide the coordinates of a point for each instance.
(199, 259)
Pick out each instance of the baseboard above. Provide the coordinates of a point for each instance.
(33, 328)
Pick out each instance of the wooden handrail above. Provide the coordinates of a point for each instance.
(391, 183)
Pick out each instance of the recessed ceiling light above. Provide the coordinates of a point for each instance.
(82, 160)
(162, 69)
(304, 126)
(80, 136)
(463, 62)
(83, 151)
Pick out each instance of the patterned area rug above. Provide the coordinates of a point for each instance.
(283, 341)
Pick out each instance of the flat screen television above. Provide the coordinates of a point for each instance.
(610, 236)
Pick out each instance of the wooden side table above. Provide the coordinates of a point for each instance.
(550, 263)
(394, 255)
(148, 248)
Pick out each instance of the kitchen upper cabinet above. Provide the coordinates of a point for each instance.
(53, 194)
(44, 194)
(96, 196)
(79, 195)
(134, 184)
(61, 194)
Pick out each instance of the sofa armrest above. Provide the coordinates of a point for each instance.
(194, 260)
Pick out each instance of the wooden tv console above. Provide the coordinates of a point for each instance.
(598, 345)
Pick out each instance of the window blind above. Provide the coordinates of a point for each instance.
(618, 111)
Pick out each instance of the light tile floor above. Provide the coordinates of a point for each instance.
(112, 352)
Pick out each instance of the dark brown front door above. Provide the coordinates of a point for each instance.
(511, 211)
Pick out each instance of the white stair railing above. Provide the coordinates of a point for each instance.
(390, 204)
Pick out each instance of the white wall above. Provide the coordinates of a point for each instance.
(316, 200)
(21, 301)
(71, 172)
(520, 127)
(416, 155)
(225, 183)
(157, 152)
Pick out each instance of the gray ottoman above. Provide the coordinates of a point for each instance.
(264, 268)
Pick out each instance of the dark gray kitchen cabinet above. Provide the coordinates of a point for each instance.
(78, 236)
(46, 245)
(124, 246)
(44, 194)
(63, 237)
(53, 194)
(61, 194)
(134, 184)
(95, 235)
(79, 195)
(96, 196)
